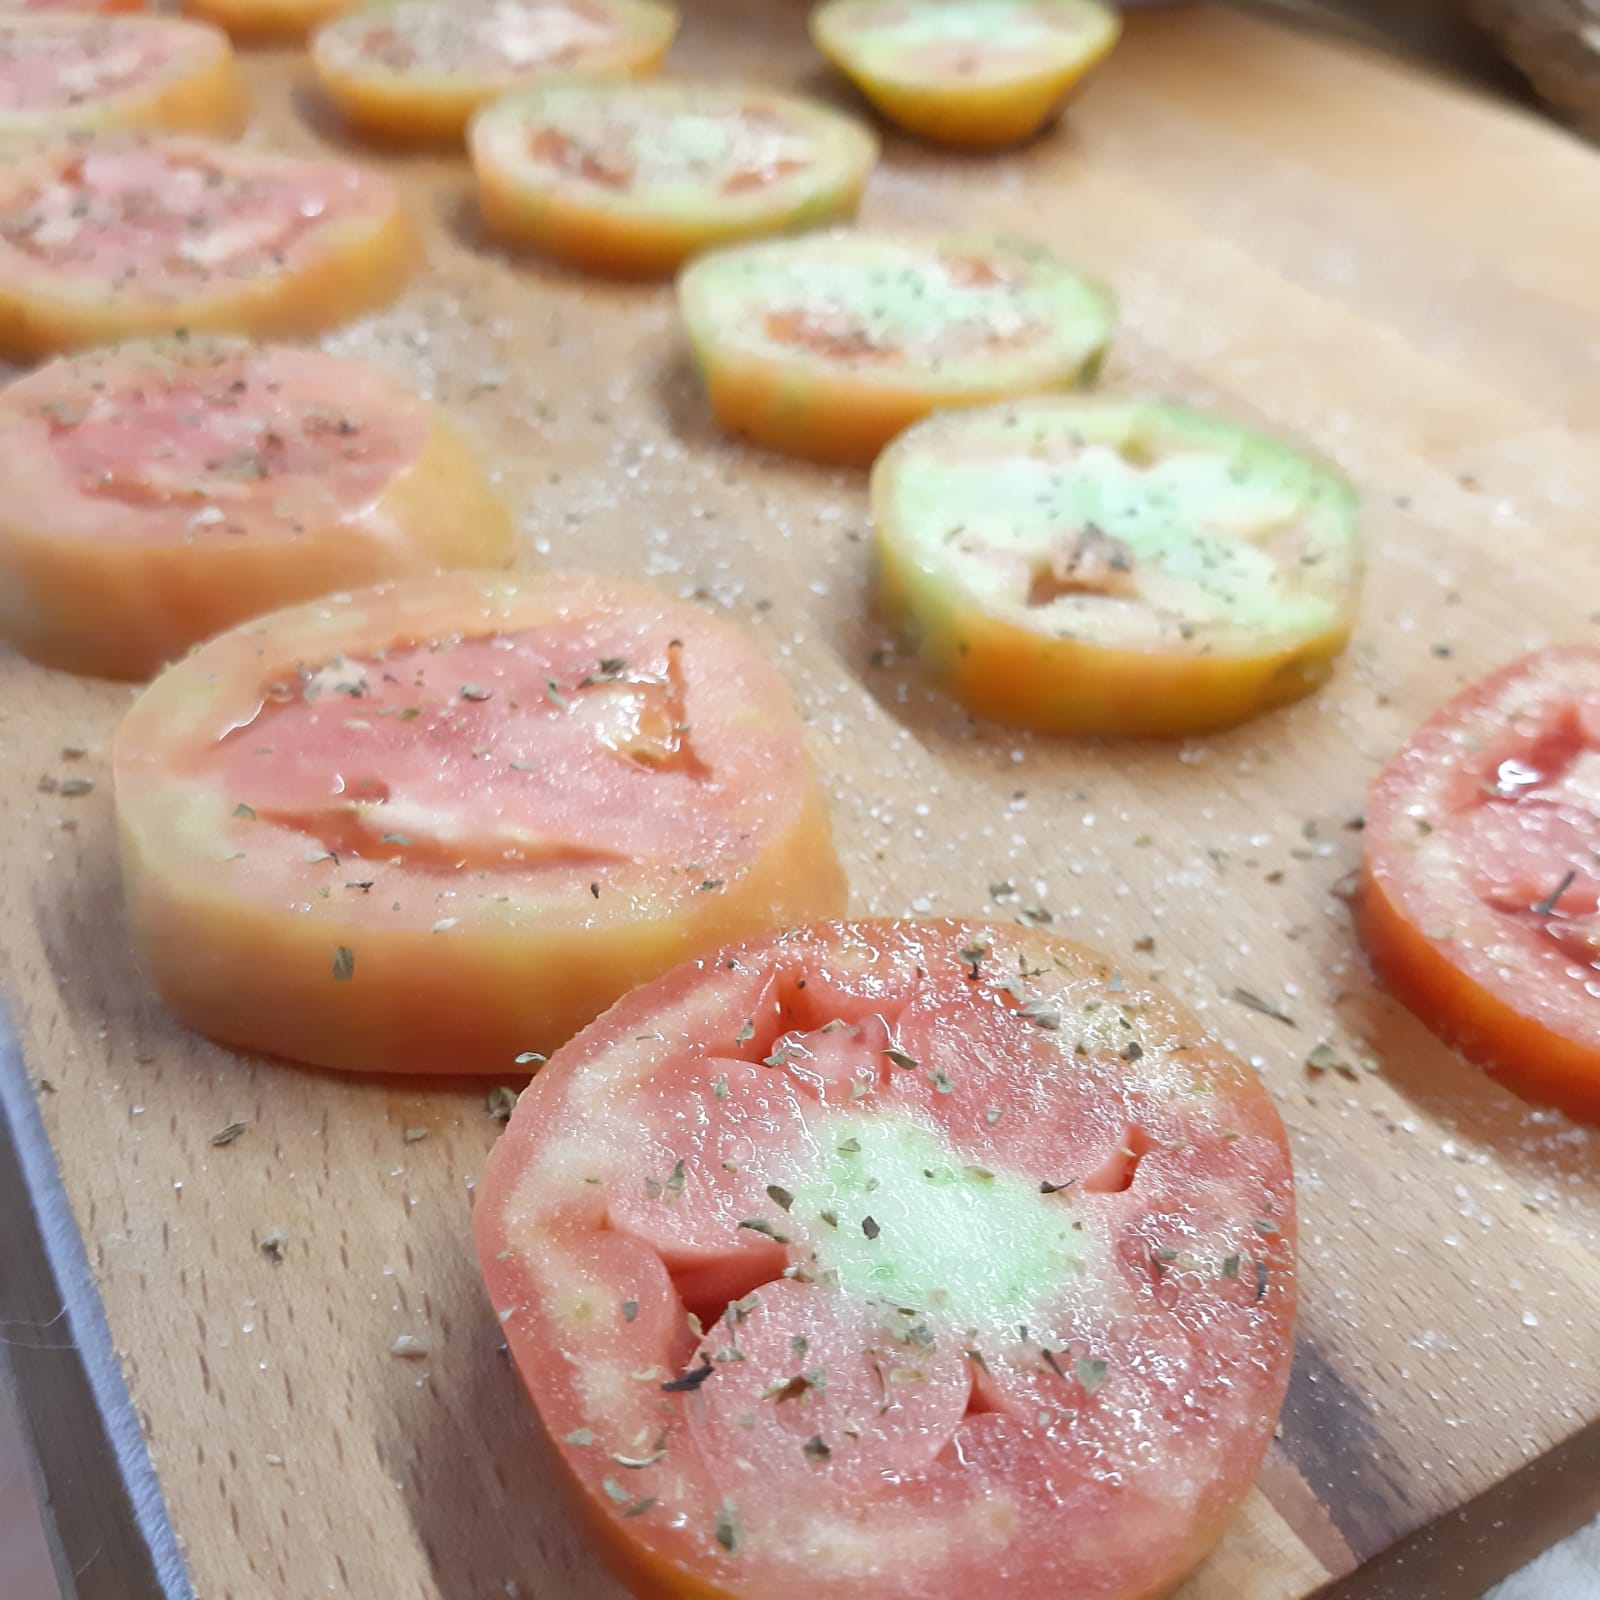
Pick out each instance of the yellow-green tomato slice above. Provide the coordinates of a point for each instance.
(966, 72)
(636, 177)
(1104, 566)
(826, 346)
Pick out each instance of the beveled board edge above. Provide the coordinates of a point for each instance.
(108, 1518)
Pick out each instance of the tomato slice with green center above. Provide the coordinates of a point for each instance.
(1480, 892)
(418, 69)
(124, 235)
(1105, 566)
(60, 73)
(895, 1260)
(828, 345)
(966, 72)
(431, 826)
(637, 177)
(156, 493)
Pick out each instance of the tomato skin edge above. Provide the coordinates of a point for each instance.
(615, 244)
(212, 958)
(1063, 686)
(260, 24)
(1531, 1060)
(124, 611)
(835, 419)
(355, 270)
(973, 116)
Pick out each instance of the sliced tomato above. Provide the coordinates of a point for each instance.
(428, 827)
(129, 234)
(897, 1261)
(268, 21)
(418, 69)
(62, 72)
(1480, 894)
(966, 72)
(156, 493)
(828, 345)
(1106, 566)
(637, 177)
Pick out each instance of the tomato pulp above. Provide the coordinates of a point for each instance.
(1480, 894)
(897, 1260)
(433, 826)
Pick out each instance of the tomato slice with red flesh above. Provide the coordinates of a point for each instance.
(828, 345)
(966, 72)
(893, 1260)
(1080, 565)
(637, 177)
(431, 826)
(418, 69)
(153, 494)
(1480, 894)
(61, 73)
(123, 235)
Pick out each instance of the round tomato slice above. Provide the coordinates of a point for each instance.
(887, 1260)
(268, 21)
(154, 494)
(418, 69)
(966, 72)
(1106, 566)
(1480, 893)
(428, 827)
(127, 234)
(62, 73)
(826, 346)
(635, 178)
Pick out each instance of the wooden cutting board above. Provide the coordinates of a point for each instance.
(1388, 267)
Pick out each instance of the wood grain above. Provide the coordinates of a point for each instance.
(1304, 235)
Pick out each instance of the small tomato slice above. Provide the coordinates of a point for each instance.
(428, 827)
(1107, 566)
(827, 345)
(63, 73)
(154, 494)
(127, 234)
(637, 177)
(1480, 892)
(976, 73)
(897, 1261)
(418, 69)
(268, 21)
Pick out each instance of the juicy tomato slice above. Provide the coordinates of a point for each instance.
(1105, 566)
(425, 828)
(966, 72)
(123, 235)
(64, 72)
(828, 345)
(637, 177)
(898, 1260)
(156, 493)
(268, 20)
(418, 69)
(1480, 893)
